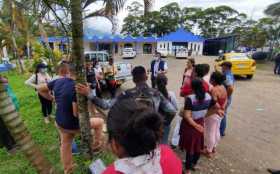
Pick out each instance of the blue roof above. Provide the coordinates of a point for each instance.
(55, 39)
(117, 38)
(146, 39)
(129, 39)
(181, 35)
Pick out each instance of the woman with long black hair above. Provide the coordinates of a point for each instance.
(192, 125)
(38, 78)
(161, 82)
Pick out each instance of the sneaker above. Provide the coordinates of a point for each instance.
(47, 120)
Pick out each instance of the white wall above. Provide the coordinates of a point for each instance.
(86, 46)
(165, 48)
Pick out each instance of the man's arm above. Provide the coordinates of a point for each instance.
(86, 91)
(166, 106)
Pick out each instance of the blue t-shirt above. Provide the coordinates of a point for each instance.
(229, 79)
(65, 95)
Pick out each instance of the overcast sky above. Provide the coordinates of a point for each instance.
(253, 8)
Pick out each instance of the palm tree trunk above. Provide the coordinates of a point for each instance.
(78, 58)
(19, 132)
(14, 43)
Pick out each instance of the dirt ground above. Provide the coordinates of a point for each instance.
(252, 141)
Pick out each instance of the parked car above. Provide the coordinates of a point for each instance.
(123, 69)
(242, 65)
(182, 53)
(163, 52)
(129, 53)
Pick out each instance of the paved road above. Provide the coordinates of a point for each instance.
(252, 142)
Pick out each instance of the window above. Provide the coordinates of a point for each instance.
(93, 56)
(99, 57)
(198, 47)
(160, 45)
(194, 47)
(164, 46)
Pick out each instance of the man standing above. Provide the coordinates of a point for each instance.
(158, 66)
(229, 84)
(277, 64)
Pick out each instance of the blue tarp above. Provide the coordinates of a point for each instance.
(55, 39)
(5, 67)
(181, 35)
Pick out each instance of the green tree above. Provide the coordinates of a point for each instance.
(171, 18)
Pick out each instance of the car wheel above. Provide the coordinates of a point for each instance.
(249, 76)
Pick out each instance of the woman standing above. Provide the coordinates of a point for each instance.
(187, 77)
(134, 133)
(212, 122)
(38, 78)
(161, 82)
(192, 126)
(110, 71)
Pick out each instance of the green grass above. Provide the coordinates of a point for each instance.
(45, 136)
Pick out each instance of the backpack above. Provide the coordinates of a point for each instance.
(143, 96)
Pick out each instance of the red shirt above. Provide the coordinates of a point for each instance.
(169, 162)
(186, 89)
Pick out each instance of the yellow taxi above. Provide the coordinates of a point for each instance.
(242, 65)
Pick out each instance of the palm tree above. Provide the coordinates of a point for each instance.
(18, 130)
(111, 8)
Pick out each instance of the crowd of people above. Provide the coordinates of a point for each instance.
(139, 120)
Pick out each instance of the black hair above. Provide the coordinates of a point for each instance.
(206, 68)
(139, 74)
(198, 89)
(137, 128)
(218, 78)
(199, 70)
(227, 64)
(161, 81)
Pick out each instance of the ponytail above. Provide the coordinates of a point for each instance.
(198, 89)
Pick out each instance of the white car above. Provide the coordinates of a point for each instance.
(163, 52)
(129, 53)
(123, 69)
(182, 53)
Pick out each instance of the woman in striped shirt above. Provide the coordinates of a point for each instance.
(192, 126)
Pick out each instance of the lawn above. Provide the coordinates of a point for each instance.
(45, 136)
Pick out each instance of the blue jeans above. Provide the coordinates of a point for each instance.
(166, 131)
(224, 120)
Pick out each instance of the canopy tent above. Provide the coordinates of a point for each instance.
(146, 39)
(129, 39)
(181, 35)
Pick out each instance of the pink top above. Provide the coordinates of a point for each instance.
(169, 162)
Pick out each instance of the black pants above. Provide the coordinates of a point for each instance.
(153, 80)
(5, 137)
(191, 160)
(277, 67)
(46, 106)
